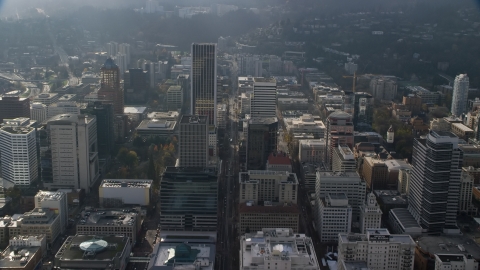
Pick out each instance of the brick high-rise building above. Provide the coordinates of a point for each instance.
(110, 90)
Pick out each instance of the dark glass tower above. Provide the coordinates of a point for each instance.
(105, 134)
(135, 85)
(188, 199)
(262, 140)
(204, 81)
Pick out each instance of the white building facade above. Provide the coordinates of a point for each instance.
(460, 95)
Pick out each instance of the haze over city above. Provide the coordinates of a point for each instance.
(240, 134)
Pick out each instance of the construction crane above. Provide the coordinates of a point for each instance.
(355, 79)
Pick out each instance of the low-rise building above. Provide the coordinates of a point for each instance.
(25, 252)
(110, 222)
(455, 261)
(462, 131)
(279, 162)
(184, 250)
(335, 216)
(46, 98)
(277, 249)
(135, 114)
(402, 222)
(222, 116)
(457, 245)
(38, 221)
(119, 192)
(313, 151)
(55, 201)
(307, 123)
(90, 251)
(175, 97)
(69, 107)
(378, 248)
(156, 127)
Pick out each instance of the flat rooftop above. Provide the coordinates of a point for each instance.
(449, 244)
(17, 257)
(71, 250)
(265, 80)
(193, 119)
(360, 265)
(110, 218)
(126, 183)
(134, 110)
(405, 218)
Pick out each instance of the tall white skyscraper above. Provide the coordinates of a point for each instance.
(124, 48)
(19, 152)
(263, 102)
(112, 49)
(121, 60)
(434, 187)
(460, 95)
(74, 151)
(203, 78)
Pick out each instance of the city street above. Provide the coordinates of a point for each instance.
(227, 238)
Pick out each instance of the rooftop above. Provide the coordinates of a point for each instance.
(377, 235)
(278, 245)
(134, 110)
(279, 159)
(126, 183)
(193, 119)
(49, 195)
(70, 118)
(170, 115)
(359, 265)
(405, 218)
(462, 127)
(17, 257)
(450, 258)
(259, 175)
(111, 218)
(264, 80)
(77, 247)
(17, 130)
(390, 197)
(157, 124)
(449, 244)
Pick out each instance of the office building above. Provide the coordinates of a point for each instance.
(175, 97)
(112, 49)
(105, 129)
(313, 151)
(370, 214)
(261, 141)
(435, 183)
(37, 221)
(184, 250)
(426, 96)
(46, 98)
(13, 107)
(188, 199)
(307, 123)
(120, 192)
(74, 154)
(193, 141)
(135, 86)
(343, 159)
(203, 78)
(453, 245)
(349, 183)
(265, 196)
(404, 180)
(460, 95)
(24, 252)
(383, 88)
(308, 173)
(375, 173)
(378, 248)
(64, 107)
(124, 48)
(110, 90)
(18, 148)
(89, 251)
(245, 100)
(335, 216)
(465, 204)
(462, 131)
(339, 132)
(273, 186)
(222, 116)
(125, 222)
(277, 248)
(264, 99)
(38, 112)
(362, 111)
(279, 162)
(55, 201)
(161, 127)
(455, 261)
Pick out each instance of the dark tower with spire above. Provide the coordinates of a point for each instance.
(110, 90)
